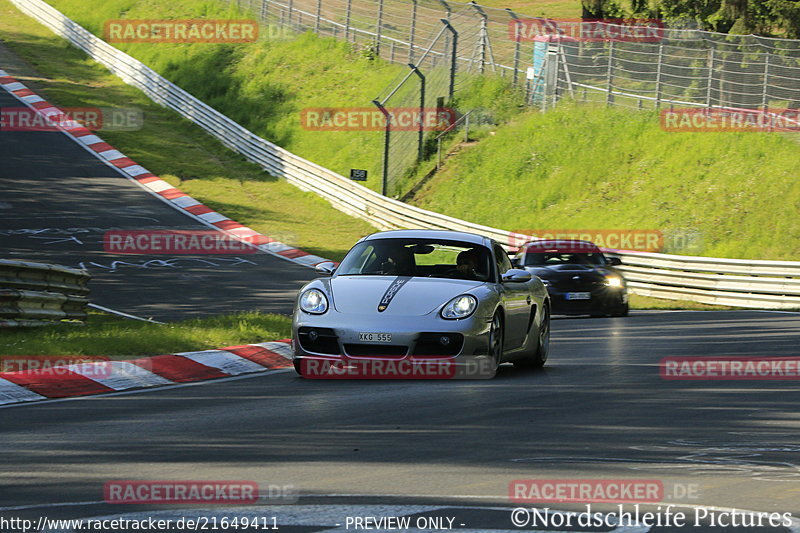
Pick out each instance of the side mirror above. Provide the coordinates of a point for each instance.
(516, 275)
(325, 268)
(614, 261)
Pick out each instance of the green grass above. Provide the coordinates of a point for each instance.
(569, 9)
(646, 302)
(178, 151)
(587, 167)
(105, 335)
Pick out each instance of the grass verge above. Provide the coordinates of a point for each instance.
(107, 335)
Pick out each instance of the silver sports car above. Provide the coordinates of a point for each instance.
(421, 297)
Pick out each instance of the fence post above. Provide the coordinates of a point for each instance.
(765, 86)
(413, 31)
(710, 76)
(379, 28)
(289, 14)
(610, 74)
(453, 57)
(421, 118)
(658, 74)
(347, 20)
(447, 18)
(550, 75)
(517, 23)
(264, 12)
(319, 14)
(386, 134)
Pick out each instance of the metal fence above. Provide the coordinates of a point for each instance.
(446, 43)
(685, 68)
(35, 294)
(681, 67)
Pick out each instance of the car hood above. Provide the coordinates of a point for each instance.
(568, 270)
(416, 296)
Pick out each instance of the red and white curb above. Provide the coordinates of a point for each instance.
(84, 379)
(153, 184)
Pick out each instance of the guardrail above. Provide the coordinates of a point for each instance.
(35, 294)
(768, 285)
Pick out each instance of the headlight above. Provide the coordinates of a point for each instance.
(545, 282)
(613, 281)
(313, 301)
(460, 307)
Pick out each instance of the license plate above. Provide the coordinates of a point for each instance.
(579, 296)
(375, 337)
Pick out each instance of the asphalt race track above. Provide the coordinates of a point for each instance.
(56, 203)
(445, 448)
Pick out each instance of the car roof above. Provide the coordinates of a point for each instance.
(566, 245)
(431, 234)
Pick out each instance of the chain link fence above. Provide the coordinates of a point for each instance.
(445, 43)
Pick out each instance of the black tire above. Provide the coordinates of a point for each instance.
(496, 339)
(538, 359)
(297, 367)
(621, 311)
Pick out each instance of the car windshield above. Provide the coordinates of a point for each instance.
(418, 258)
(558, 258)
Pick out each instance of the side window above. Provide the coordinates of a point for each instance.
(503, 262)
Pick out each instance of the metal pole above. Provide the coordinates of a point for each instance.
(710, 76)
(453, 57)
(421, 134)
(264, 11)
(658, 74)
(413, 31)
(609, 73)
(319, 14)
(347, 20)
(378, 29)
(386, 135)
(447, 18)
(765, 87)
(517, 24)
(483, 34)
(291, 3)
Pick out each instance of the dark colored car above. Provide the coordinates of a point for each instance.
(579, 278)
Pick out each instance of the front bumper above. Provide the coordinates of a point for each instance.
(602, 300)
(334, 336)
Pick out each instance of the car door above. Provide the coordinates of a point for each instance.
(517, 302)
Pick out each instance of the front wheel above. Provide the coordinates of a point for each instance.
(539, 358)
(621, 310)
(496, 340)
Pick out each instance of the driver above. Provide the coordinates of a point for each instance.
(467, 264)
